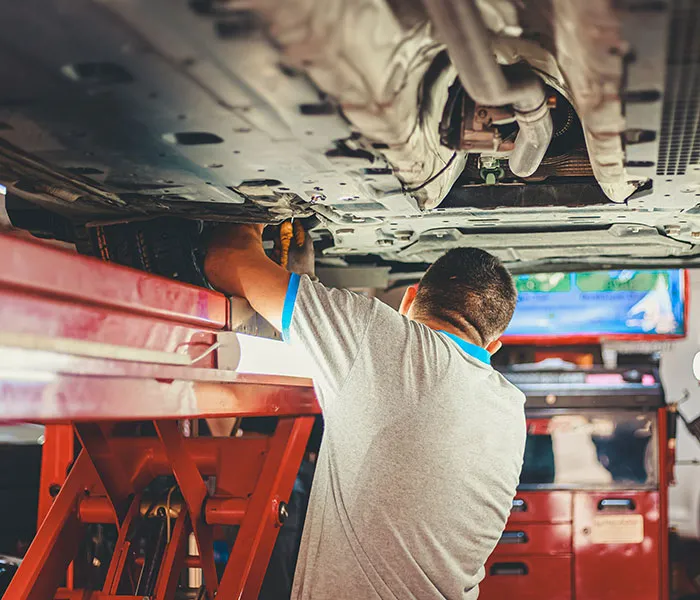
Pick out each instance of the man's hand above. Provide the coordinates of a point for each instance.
(227, 240)
(302, 258)
(236, 264)
(238, 237)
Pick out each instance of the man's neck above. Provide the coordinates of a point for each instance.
(469, 336)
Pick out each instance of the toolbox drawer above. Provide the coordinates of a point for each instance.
(617, 541)
(538, 538)
(527, 578)
(541, 507)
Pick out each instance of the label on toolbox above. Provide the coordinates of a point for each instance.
(617, 529)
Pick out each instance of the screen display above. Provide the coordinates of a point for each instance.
(600, 303)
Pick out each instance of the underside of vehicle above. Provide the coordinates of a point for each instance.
(557, 134)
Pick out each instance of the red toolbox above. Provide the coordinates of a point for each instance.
(589, 520)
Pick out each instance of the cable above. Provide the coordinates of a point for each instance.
(155, 507)
(433, 177)
(167, 511)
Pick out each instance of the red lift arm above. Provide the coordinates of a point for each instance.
(86, 346)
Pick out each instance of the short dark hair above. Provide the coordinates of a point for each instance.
(471, 290)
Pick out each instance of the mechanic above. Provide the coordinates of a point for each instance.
(423, 441)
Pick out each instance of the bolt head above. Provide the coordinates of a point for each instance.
(283, 513)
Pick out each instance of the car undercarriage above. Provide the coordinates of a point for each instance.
(558, 135)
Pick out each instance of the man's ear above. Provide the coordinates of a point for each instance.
(493, 347)
(408, 298)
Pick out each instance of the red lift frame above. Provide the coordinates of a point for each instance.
(86, 345)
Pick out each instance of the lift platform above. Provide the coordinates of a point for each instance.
(120, 365)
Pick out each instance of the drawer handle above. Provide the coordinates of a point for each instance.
(508, 568)
(514, 537)
(616, 504)
(519, 505)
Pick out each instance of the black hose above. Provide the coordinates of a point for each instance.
(155, 548)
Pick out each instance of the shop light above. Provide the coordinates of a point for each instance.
(271, 357)
(696, 366)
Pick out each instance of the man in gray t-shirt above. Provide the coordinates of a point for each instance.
(423, 441)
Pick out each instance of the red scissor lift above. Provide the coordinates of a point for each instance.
(89, 349)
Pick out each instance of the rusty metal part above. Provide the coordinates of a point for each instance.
(487, 116)
(478, 133)
(488, 141)
(463, 30)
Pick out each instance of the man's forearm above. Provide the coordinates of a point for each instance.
(233, 251)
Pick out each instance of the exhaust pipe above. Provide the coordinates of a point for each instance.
(462, 28)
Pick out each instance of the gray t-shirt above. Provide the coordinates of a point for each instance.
(421, 454)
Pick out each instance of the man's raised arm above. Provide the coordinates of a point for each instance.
(236, 264)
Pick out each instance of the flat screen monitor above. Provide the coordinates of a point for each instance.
(595, 305)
